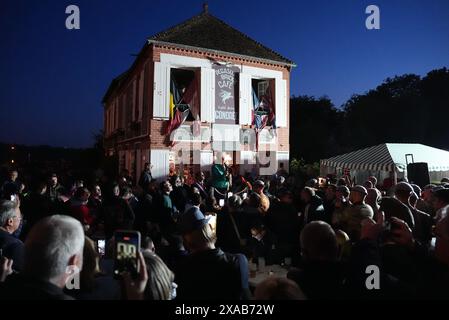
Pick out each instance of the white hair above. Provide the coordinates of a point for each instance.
(50, 244)
(7, 211)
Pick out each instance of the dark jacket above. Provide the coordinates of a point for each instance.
(19, 287)
(12, 248)
(314, 210)
(210, 275)
(117, 215)
(227, 237)
(145, 179)
(319, 280)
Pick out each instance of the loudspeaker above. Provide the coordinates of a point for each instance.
(418, 173)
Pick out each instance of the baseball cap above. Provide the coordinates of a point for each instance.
(403, 186)
(344, 190)
(360, 189)
(191, 220)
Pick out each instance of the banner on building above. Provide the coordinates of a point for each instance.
(226, 94)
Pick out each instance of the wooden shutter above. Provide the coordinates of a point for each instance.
(245, 99)
(207, 95)
(161, 93)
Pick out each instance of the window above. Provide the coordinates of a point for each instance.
(183, 93)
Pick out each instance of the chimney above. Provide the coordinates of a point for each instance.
(205, 8)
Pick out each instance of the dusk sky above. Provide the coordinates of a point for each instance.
(53, 79)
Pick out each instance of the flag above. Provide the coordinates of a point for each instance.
(175, 96)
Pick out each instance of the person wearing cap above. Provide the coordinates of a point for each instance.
(341, 202)
(258, 188)
(374, 198)
(208, 272)
(355, 213)
(422, 229)
(313, 206)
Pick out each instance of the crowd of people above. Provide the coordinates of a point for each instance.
(200, 238)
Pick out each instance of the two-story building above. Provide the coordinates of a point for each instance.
(198, 90)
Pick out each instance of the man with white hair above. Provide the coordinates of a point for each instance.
(10, 246)
(53, 255)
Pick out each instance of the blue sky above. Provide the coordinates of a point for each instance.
(53, 79)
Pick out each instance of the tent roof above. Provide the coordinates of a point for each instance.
(388, 156)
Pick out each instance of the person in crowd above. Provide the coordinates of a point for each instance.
(321, 276)
(11, 186)
(146, 178)
(200, 184)
(128, 195)
(79, 208)
(313, 206)
(232, 227)
(160, 284)
(207, 263)
(263, 244)
(341, 202)
(179, 194)
(373, 180)
(425, 203)
(392, 207)
(35, 207)
(148, 246)
(356, 212)
(53, 257)
(10, 246)
(282, 220)
(145, 214)
(423, 222)
(329, 202)
(373, 199)
(275, 288)
(368, 185)
(93, 283)
(220, 178)
(258, 188)
(117, 213)
(441, 204)
(54, 190)
(95, 202)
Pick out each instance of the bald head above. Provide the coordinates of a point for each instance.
(278, 289)
(318, 242)
(54, 245)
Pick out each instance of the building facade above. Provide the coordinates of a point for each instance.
(198, 91)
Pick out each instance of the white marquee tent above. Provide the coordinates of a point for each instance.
(386, 160)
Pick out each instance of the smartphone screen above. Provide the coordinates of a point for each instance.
(127, 245)
(244, 195)
(101, 247)
(221, 202)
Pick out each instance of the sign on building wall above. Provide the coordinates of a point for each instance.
(226, 90)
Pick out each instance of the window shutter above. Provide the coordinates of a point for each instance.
(281, 102)
(207, 95)
(160, 162)
(245, 99)
(161, 94)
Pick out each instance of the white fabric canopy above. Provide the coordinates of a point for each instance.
(390, 156)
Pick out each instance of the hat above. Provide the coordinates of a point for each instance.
(191, 220)
(343, 189)
(404, 187)
(360, 189)
(259, 183)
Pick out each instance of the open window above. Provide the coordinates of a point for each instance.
(263, 101)
(184, 93)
